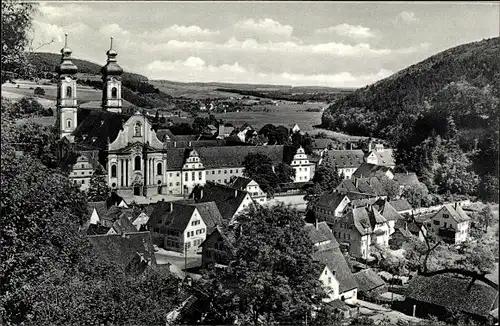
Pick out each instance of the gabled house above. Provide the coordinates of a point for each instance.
(440, 295)
(84, 168)
(368, 170)
(122, 226)
(380, 156)
(321, 145)
(390, 214)
(331, 205)
(346, 161)
(405, 229)
(370, 187)
(97, 211)
(177, 227)
(229, 201)
(402, 206)
(450, 223)
(335, 274)
(217, 248)
(303, 168)
(250, 186)
(370, 284)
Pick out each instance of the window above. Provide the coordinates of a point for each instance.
(83, 182)
(177, 183)
(200, 174)
(137, 129)
(170, 175)
(192, 175)
(83, 173)
(114, 92)
(113, 171)
(446, 215)
(69, 91)
(197, 222)
(329, 280)
(137, 163)
(177, 174)
(225, 171)
(230, 171)
(236, 171)
(188, 234)
(326, 272)
(436, 222)
(68, 123)
(218, 171)
(159, 169)
(213, 172)
(170, 184)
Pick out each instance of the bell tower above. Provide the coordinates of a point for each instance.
(112, 83)
(67, 103)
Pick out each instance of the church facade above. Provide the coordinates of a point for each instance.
(136, 161)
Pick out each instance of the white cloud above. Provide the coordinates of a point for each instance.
(195, 68)
(180, 31)
(266, 26)
(114, 30)
(406, 17)
(357, 31)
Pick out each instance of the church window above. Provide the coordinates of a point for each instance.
(69, 91)
(114, 92)
(83, 182)
(113, 185)
(159, 168)
(213, 172)
(68, 123)
(185, 176)
(170, 184)
(113, 171)
(192, 175)
(200, 175)
(137, 163)
(137, 129)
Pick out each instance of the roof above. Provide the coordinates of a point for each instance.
(228, 200)
(385, 157)
(344, 158)
(123, 225)
(331, 199)
(366, 170)
(122, 249)
(368, 280)
(321, 143)
(176, 219)
(165, 134)
(321, 234)
(100, 207)
(401, 205)
(223, 156)
(210, 214)
(390, 213)
(360, 219)
(406, 179)
(376, 217)
(96, 229)
(98, 127)
(457, 213)
(451, 292)
(335, 260)
(240, 183)
(97, 104)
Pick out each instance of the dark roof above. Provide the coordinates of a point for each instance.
(99, 206)
(175, 219)
(366, 170)
(223, 156)
(335, 260)
(228, 200)
(347, 185)
(98, 127)
(240, 183)
(321, 234)
(368, 280)
(330, 199)
(123, 225)
(390, 213)
(96, 229)
(123, 249)
(376, 217)
(451, 292)
(344, 158)
(321, 143)
(401, 205)
(360, 219)
(406, 179)
(165, 134)
(210, 215)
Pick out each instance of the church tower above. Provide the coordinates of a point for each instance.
(112, 83)
(67, 103)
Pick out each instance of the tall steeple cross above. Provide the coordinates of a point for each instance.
(111, 45)
(65, 39)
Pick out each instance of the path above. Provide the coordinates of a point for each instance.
(378, 312)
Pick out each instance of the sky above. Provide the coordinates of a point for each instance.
(288, 43)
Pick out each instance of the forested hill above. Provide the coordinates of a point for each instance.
(440, 114)
(47, 62)
(388, 108)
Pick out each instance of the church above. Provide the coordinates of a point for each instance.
(136, 161)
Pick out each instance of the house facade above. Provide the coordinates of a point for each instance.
(346, 161)
(450, 223)
(303, 168)
(250, 186)
(83, 170)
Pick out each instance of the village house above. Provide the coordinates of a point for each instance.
(402, 206)
(84, 168)
(377, 155)
(217, 248)
(450, 223)
(370, 284)
(250, 186)
(331, 205)
(369, 170)
(335, 274)
(346, 161)
(405, 229)
(441, 295)
(371, 187)
(225, 130)
(304, 169)
(321, 145)
(182, 226)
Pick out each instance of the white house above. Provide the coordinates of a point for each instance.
(302, 166)
(450, 223)
(250, 186)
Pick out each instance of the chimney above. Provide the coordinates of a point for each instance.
(235, 193)
(201, 193)
(171, 206)
(189, 144)
(456, 205)
(369, 147)
(175, 144)
(351, 145)
(316, 223)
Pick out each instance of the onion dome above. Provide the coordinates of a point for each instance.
(111, 68)
(66, 66)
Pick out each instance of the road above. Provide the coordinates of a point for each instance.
(378, 312)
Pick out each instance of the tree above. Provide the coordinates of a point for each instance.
(259, 167)
(488, 189)
(390, 187)
(326, 178)
(271, 277)
(39, 91)
(415, 194)
(276, 135)
(485, 217)
(16, 23)
(285, 173)
(98, 189)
